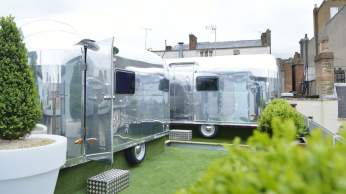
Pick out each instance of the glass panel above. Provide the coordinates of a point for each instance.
(164, 85)
(207, 83)
(125, 82)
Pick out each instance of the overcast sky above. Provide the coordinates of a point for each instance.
(173, 20)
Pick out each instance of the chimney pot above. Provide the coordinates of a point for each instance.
(192, 42)
(181, 49)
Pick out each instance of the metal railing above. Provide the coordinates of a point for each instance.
(312, 125)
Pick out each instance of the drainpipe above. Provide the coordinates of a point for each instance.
(306, 42)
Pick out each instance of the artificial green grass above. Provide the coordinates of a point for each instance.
(73, 180)
(174, 169)
(169, 171)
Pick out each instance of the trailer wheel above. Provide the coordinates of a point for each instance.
(136, 154)
(208, 131)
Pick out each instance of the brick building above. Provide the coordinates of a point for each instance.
(324, 55)
(221, 48)
(292, 74)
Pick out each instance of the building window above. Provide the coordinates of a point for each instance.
(341, 93)
(201, 53)
(210, 53)
(333, 11)
(339, 75)
(207, 83)
(236, 52)
(125, 82)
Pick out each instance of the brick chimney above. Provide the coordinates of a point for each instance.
(324, 68)
(192, 42)
(266, 39)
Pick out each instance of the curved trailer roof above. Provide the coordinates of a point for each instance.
(262, 65)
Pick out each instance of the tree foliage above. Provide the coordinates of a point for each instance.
(283, 110)
(277, 165)
(19, 105)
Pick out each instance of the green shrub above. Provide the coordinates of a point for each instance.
(283, 110)
(19, 105)
(277, 165)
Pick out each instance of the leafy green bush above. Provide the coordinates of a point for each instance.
(19, 105)
(283, 110)
(277, 165)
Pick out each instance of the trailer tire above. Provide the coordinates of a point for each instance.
(136, 154)
(208, 131)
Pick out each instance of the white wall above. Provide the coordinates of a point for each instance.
(324, 112)
(336, 32)
(219, 52)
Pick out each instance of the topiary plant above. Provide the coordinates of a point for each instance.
(283, 110)
(276, 165)
(19, 104)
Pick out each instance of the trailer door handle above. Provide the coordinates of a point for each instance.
(108, 97)
(78, 141)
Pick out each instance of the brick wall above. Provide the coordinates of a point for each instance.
(292, 74)
(299, 70)
(286, 73)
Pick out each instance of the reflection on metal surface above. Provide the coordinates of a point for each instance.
(91, 140)
(58, 78)
(234, 92)
(112, 121)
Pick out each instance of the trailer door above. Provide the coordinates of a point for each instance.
(98, 102)
(208, 87)
(181, 91)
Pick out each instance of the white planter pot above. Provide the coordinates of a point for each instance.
(32, 170)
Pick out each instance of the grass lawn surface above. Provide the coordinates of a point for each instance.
(174, 169)
(169, 171)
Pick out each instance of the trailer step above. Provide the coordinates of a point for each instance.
(108, 182)
(180, 135)
(201, 145)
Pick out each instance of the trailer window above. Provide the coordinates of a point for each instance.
(164, 85)
(124, 82)
(207, 83)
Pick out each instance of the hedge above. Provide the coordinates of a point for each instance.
(277, 165)
(283, 110)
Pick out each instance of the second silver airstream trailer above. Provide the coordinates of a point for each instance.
(218, 91)
(103, 98)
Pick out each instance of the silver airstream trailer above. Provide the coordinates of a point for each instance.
(103, 98)
(220, 91)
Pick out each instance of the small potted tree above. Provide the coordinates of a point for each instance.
(28, 163)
